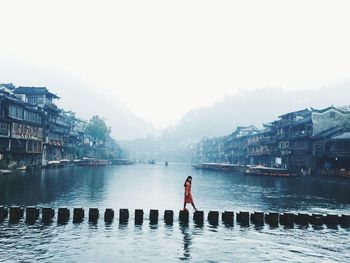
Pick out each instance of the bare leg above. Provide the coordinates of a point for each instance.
(193, 206)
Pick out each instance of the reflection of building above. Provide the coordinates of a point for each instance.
(301, 140)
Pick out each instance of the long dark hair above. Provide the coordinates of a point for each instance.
(187, 180)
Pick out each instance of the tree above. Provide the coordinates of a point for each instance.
(97, 129)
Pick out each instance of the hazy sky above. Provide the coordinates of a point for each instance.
(162, 58)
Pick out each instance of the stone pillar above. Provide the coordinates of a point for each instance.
(123, 216)
(302, 219)
(109, 215)
(168, 217)
(257, 218)
(153, 216)
(287, 219)
(317, 219)
(138, 216)
(16, 213)
(32, 214)
(47, 214)
(63, 216)
(272, 219)
(243, 218)
(213, 218)
(198, 218)
(184, 217)
(227, 218)
(78, 215)
(93, 215)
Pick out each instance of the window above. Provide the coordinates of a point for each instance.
(35, 99)
(34, 146)
(16, 112)
(4, 129)
(32, 116)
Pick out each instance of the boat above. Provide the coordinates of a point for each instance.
(90, 162)
(66, 162)
(268, 171)
(151, 162)
(122, 162)
(22, 168)
(219, 166)
(53, 165)
(5, 171)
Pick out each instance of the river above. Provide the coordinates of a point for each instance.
(160, 187)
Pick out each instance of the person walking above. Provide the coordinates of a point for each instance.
(188, 193)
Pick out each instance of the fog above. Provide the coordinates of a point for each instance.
(147, 66)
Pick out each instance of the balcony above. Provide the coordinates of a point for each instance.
(304, 133)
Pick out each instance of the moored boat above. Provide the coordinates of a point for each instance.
(219, 166)
(90, 162)
(53, 165)
(268, 171)
(66, 162)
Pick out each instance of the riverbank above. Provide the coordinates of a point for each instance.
(269, 171)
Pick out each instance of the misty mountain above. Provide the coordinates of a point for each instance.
(253, 107)
(125, 125)
(79, 97)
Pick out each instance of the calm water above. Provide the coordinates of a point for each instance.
(160, 187)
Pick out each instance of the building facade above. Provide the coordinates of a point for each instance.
(301, 141)
(33, 130)
(21, 131)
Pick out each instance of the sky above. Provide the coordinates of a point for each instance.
(163, 58)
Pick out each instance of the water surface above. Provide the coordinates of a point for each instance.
(156, 186)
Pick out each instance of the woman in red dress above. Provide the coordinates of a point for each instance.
(188, 194)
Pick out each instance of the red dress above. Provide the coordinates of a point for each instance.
(188, 197)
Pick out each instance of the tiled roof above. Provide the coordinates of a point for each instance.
(344, 136)
(329, 133)
(34, 91)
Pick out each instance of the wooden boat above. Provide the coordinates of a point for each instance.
(268, 171)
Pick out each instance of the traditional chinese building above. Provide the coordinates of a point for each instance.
(21, 131)
(302, 141)
(236, 147)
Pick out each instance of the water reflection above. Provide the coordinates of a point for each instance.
(187, 242)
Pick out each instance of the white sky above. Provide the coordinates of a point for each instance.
(162, 58)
